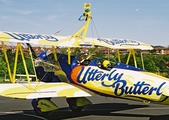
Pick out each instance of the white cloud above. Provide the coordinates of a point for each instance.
(14, 18)
(23, 12)
(6, 17)
(53, 18)
(26, 12)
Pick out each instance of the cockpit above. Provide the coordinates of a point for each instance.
(101, 63)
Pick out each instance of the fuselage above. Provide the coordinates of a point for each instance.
(122, 80)
(129, 82)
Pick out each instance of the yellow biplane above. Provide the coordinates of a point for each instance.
(75, 76)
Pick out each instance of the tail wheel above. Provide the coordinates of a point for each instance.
(73, 106)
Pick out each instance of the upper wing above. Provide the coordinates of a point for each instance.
(72, 42)
(117, 43)
(42, 90)
(37, 39)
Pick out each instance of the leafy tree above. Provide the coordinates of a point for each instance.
(149, 63)
(160, 63)
(152, 62)
(3, 67)
(29, 65)
(98, 55)
(11, 55)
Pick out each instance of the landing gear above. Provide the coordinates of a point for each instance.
(42, 107)
(37, 110)
(73, 106)
(40, 113)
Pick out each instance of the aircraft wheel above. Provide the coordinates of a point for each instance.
(41, 114)
(37, 111)
(73, 106)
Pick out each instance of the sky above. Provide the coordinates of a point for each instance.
(143, 20)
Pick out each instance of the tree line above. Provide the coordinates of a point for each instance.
(155, 63)
(11, 58)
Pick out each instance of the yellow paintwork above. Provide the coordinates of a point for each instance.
(7, 62)
(68, 49)
(127, 86)
(69, 92)
(16, 60)
(142, 61)
(118, 55)
(24, 64)
(5, 37)
(41, 90)
(47, 105)
(23, 90)
(82, 101)
(30, 52)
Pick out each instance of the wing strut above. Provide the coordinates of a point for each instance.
(19, 48)
(81, 33)
(132, 51)
(8, 66)
(30, 52)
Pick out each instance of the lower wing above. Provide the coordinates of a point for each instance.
(42, 90)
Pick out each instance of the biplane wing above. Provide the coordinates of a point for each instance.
(71, 42)
(38, 39)
(117, 81)
(117, 43)
(41, 90)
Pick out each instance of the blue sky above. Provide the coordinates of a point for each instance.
(143, 20)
